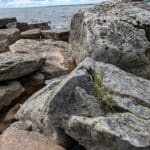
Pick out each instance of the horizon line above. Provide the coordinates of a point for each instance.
(61, 5)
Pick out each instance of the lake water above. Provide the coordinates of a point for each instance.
(59, 16)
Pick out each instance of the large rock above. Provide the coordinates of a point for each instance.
(24, 140)
(114, 32)
(9, 91)
(117, 119)
(7, 37)
(5, 21)
(13, 66)
(74, 96)
(57, 54)
(39, 115)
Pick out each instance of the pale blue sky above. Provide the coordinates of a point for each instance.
(26, 3)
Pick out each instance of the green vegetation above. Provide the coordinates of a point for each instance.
(99, 92)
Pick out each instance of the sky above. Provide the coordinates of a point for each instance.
(31, 3)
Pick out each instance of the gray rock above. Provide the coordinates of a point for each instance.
(32, 34)
(114, 32)
(13, 66)
(39, 115)
(7, 37)
(9, 92)
(42, 26)
(5, 21)
(118, 132)
(72, 106)
(57, 55)
(59, 35)
(74, 96)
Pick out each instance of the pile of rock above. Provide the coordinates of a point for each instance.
(25, 64)
(104, 103)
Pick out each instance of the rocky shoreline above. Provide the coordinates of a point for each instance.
(86, 88)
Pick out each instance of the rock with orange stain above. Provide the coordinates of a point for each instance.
(13, 139)
(57, 53)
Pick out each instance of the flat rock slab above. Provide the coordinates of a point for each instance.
(114, 32)
(7, 37)
(57, 55)
(24, 140)
(58, 35)
(13, 66)
(5, 21)
(10, 91)
(32, 34)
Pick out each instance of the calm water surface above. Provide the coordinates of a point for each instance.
(59, 16)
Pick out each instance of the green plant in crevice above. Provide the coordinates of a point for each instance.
(98, 90)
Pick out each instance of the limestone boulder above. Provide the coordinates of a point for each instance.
(115, 32)
(7, 37)
(13, 66)
(117, 117)
(57, 55)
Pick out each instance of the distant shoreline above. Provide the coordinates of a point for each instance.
(73, 5)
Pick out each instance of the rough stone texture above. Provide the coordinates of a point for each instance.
(74, 97)
(5, 21)
(59, 35)
(32, 34)
(38, 116)
(117, 132)
(57, 55)
(114, 32)
(24, 140)
(7, 37)
(42, 26)
(9, 91)
(13, 66)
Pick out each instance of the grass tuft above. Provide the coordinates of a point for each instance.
(98, 90)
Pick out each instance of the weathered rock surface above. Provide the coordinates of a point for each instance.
(72, 106)
(42, 26)
(32, 34)
(24, 140)
(9, 91)
(7, 37)
(57, 55)
(74, 96)
(114, 32)
(5, 21)
(58, 35)
(13, 66)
